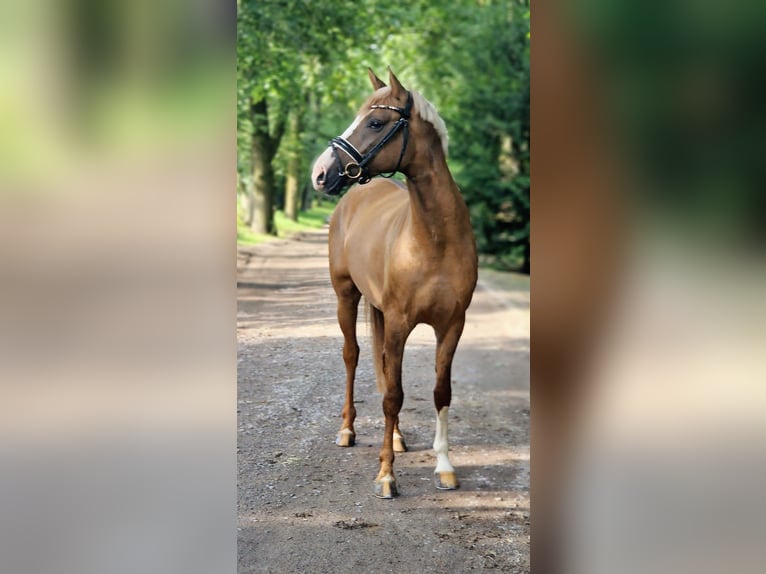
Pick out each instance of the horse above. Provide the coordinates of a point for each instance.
(410, 250)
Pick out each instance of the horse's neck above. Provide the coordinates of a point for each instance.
(438, 212)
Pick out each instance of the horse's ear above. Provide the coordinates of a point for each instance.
(396, 87)
(376, 82)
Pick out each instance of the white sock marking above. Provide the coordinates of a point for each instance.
(441, 445)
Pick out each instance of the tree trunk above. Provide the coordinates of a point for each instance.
(244, 199)
(262, 205)
(264, 148)
(293, 183)
(250, 202)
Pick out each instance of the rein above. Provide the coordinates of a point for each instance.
(357, 169)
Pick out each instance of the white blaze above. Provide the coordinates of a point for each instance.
(350, 129)
(441, 445)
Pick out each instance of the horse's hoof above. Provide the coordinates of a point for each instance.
(345, 438)
(399, 444)
(385, 488)
(446, 480)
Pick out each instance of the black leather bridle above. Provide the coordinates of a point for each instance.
(357, 168)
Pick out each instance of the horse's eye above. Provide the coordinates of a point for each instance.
(374, 124)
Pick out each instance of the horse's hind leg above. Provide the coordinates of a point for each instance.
(446, 343)
(378, 337)
(348, 307)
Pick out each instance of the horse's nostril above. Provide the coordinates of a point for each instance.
(321, 177)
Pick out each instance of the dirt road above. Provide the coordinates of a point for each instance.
(306, 505)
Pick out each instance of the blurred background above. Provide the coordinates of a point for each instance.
(302, 75)
(648, 411)
(118, 169)
(117, 359)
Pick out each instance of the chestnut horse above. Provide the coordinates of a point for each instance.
(409, 250)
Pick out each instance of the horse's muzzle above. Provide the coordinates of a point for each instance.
(326, 177)
(331, 183)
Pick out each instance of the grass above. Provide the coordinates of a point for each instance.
(313, 218)
(246, 237)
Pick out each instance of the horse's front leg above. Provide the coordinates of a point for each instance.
(348, 306)
(446, 344)
(393, 397)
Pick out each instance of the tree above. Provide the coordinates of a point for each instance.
(265, 142)
(286, 51)
(301, 74)
(259, 115)
(471, 58)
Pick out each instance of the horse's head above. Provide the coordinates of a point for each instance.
(376, 142)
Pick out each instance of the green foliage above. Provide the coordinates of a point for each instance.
(313, 218)
(469, 57)
(247, 237)
(488, 118)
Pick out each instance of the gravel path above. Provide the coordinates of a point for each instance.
(306, 505)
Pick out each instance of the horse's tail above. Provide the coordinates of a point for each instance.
(375, 319)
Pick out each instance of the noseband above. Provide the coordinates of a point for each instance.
(357, 168)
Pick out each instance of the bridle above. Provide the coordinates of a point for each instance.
(357, 168)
